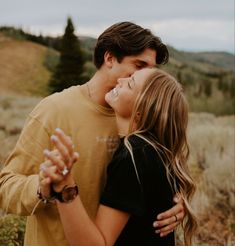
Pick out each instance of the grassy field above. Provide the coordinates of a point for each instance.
(22, 67)
(211, 161)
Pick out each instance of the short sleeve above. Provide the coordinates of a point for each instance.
(123, 190)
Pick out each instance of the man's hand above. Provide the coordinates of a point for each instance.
(167, 221)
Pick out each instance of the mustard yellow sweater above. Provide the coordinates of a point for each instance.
(93, 131)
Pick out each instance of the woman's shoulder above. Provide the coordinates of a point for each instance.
(145, 146)
(138, 141)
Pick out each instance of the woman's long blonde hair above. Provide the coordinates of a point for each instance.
(160, 116)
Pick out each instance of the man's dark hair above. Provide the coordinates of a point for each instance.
(127, 39)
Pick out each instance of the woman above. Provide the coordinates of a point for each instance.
(148, 167)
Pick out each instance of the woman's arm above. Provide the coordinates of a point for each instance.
(78, 227)
(81, 230)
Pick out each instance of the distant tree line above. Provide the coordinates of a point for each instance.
(19, 33)
(70, 69)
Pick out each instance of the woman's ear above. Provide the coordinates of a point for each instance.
(137, 116)
(109, 59)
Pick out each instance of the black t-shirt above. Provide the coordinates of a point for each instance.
(142, 200)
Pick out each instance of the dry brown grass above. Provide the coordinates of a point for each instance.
(21, 67)
(211, 161)
(13, 112)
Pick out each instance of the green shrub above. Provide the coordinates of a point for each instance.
(12, 228)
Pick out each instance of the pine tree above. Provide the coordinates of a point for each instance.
(70, 68)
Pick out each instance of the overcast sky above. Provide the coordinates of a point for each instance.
(193, 25)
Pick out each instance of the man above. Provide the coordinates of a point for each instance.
(82, 113)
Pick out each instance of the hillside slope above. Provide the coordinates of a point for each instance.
(208, 78)
(214, 61)
(22, 68)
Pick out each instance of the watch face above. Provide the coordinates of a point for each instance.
(69, 193)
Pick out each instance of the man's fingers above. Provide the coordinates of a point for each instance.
(167, 229)
(178, 208)
(165, 222)
(45, 182)
(165, 233)
(169, 221)
(45, 186)
(42, 168)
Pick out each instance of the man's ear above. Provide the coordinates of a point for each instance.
(109, 59)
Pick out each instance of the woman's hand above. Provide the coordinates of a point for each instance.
(55, 170)
(62, 159)
(49, 175)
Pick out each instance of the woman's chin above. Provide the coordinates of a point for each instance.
(108, 99)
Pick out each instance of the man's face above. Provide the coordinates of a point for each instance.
(130, 64)
(122, 98)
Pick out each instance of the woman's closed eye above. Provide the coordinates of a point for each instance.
(131, 82)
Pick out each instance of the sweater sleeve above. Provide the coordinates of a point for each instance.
(19, 176)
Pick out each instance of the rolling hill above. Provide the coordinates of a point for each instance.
(22, 68)
(26, 63)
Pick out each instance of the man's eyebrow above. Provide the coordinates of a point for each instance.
(142, 63)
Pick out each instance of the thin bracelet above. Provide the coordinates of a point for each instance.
(44, 199)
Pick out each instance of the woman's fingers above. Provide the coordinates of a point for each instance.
(75, 157)
(55, 160)
(65, 140)
(64, 145)
(62, 148)
(51, 173)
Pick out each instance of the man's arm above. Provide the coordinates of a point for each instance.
(19, 177)
(168, 221)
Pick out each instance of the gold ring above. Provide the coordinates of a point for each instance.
(175, 218)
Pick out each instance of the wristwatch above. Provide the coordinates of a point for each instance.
(68, 194)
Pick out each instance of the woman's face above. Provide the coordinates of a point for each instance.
(123, 96)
